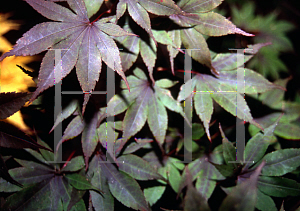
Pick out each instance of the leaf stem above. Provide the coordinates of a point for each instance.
(107, 11)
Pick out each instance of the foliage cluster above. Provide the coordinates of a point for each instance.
(144, 169)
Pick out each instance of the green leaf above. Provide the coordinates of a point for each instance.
(231, 101)
(79, 182)
(92, 6)
(197, 130)
(288, 131)
(253, 82)
(132, 44)
(255, 149)
(48, 155)
(165, 83)
(153, 194)
(167, 99)
(140, 74)
(173, 176)
(137, 167)
(162, 37)
(265, 202)
(229, 151)
(75, 164)
(281, 162)
(278, 186)
(203, 105)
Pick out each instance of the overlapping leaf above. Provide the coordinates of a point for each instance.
(266, 29)
(224, 89)
(85, 44)
(195, 14)
(150, 106)
(287, 127)
(123, 187)
(244, 195)
(44, 186)
(138, 11)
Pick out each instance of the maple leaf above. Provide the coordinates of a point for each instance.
(198, 17)
(46, 180)
(150, 107)
(84, 44)
(148, 51)
(266, 29)
(138, 11)
(224, 88)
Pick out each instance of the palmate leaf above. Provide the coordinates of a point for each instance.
(5, 175)
(123, 187)
(195, 14)
(136, 45)
(45, 185)
(266, 29)
(205, 174)
(70, 32)
(206, 22)
(150, 107)
(223, 89)
(99, 180)
(138, 11)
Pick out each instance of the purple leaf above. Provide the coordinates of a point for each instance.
(161, 7)
(89, 138)
(12, 137)
(11, 102)
(198, 5)
(82, 43)
(123, 187)
(138, 14)
(137, 168)
(53, 11)
(214, 24)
